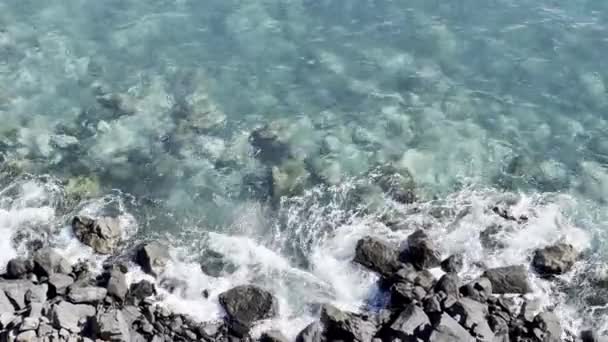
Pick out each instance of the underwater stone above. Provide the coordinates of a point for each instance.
(269, 146)
(289, 179)
(398, 183)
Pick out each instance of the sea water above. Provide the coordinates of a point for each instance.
(143, 110)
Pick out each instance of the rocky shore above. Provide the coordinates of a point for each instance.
(45, 298)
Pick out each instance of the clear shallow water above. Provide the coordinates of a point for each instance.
(475, 99)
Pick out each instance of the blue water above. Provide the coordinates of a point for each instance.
(152, 104)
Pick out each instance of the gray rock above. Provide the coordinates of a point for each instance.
(509, 279)
(453, 264)
(111, 326)
(410, 323)
(117, 285)
(87, 294)
(247, 303)
(554, 260)
(449, 284)
(59, 283)
(102, 234)
(27, 336)
(269, 146)
(142, 290)
(20, 290)
(424, 279)
(396, 182)
(479, 289)
(378, 256)
(546, 327)
(312, 333)
(5, 304)
(152, 257)
(344, 326)
(18, 268)
(29, 323)
(273, 336)
(402, 294)
(45, 329)
(47, 262)
(71, 316)
(448, 330)
(472, 315)
(420, 251)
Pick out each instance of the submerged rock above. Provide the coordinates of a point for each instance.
(270, 146)
(378, 256)
(102, 234)
(247, 304)
(554, 260)
(509, 279)
(289, 179)
(397, 183)
(420, 251)
(152, 257)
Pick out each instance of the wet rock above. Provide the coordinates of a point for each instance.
(546, 327)
(420, 251)
(87, 294)
(378, 256)
(152, 257)
(47, 262)
(554, 260)
(102, 234)
(59, 283)
(269, 146)
(472, 314)
(344, 326)
(19, 268)
(492, 237)
(289, 179)
(119, 104)
(396, 182)
(448, 330)
(479, 289)
(111, 326)
(449, 284)
(410, 323)
(402, 294)
(70, 316)
(117, 285)
(312, 333)
(142, 290)
(424, 279)
(174, 285)
(247, 304)
(22, 292)
(273, 336)
(509, 279)
(214, 264)
(453, 264)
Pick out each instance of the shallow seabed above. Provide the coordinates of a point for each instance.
(144, 109)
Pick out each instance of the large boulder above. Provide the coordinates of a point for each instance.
(420, 251)
(112, 326)
(453, 264)
(18, 268)
(345, 326)
(410, 323)
(23, 292)
(509, 279)
(247, 304)
(152, 257)
(117, 285)
(448, 330)
(378, 256)
(479, 289)
(102, 234)
(312, 333)
(47, 262)
(273, 336)
(472, 315)
(554, 260)
(59, 283)
(72, 317)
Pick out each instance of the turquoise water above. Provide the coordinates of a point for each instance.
(146, 109)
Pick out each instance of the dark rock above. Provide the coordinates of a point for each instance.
(268, 145)
(498, 324)
(420, 251)
(246, 304)
(424, 279)
(402, 294)
(59, 283)
(273, 336)
(18, 268)
(344, 326)
(509, 279)
(111, 326)
(87, 294)
(117, 285)
(410, 323)
(554, 260)
(453, 264)
(432, 305)
(102, 234)
(472, 315)
(592, 336)
(546, 327)
(378, 256)
(47, 262)
(22, 292)
(449, 284)
(152, 257)
(214, 264)
(397, 183)
(479, 289)
(71, 316)
(492, 237)
(142, 290)
(448, 330)
(173, 285)
(406, 274)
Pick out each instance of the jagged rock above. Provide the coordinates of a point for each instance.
(117, 285)
(111, 326)
(420, 251)
(472, 315)
(152, 257)
(142, 290)
(214, 264)
(269, 146)
(509, 279)
(378, 256)
(410, 323)
(402, 294)
(397, 183)
(273, 336)
(246, 304)
(554, 260)
(479, 289)
(59, 283)
(71, 316)
(448, 330)
(87, 294)
(5, 304)
(449, 284)
(18, 268)
(453, 264)
(312, 333)
(47, 262)
(22, 292)
(340, 325)
(102, 234)
(546, 327)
